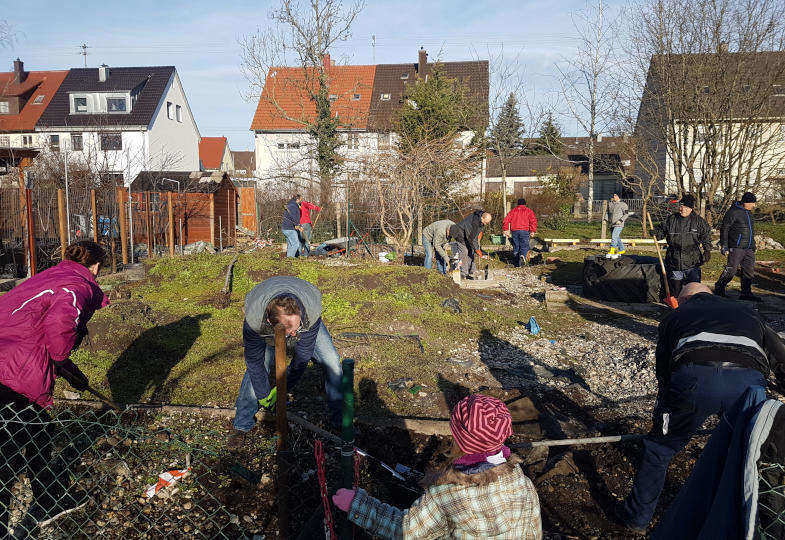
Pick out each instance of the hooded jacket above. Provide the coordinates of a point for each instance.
(41, 320)
(291, 215)
(618, 212)
(470, 228)
(685, 237)
(709, 328)
(737, 230)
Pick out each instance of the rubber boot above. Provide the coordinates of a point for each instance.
(722, 282)
(746, 291)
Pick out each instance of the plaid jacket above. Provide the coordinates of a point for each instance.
(499, 503)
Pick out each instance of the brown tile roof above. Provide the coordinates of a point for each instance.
(150, 82)
(40, 83)
(211, 152)
(392, 79)
(526, 166)
(244, 161)
(286, 106)
(190, 182)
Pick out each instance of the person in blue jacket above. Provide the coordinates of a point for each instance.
(737, 241)
(297, 305)
(290, 225)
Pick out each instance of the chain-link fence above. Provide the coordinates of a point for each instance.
(771, 501)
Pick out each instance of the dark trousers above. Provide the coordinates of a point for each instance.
(520, 246)
(693, 394)
(679, 278)
(738, 257)
(26, 435)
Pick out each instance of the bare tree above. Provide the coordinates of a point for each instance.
(302, 36)
(588, 78)
(7, 33)
(712, 74)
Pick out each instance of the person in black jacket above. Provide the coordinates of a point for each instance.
(686, 233)
(467, 236)
(737, 240)
(290, 225)
(709, 351)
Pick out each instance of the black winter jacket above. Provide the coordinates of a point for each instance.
(737, 230)
(716, 329)
(291, 215)
(470, 228)
(685, 236)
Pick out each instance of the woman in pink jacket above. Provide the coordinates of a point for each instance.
(41, 321)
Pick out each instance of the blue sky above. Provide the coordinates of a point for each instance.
(200, 38)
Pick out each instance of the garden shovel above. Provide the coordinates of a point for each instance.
(669, 300)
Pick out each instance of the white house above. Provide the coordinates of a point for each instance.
(123, 120)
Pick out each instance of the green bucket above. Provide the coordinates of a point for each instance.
(497, 239)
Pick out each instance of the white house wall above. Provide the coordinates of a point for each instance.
(173, 145)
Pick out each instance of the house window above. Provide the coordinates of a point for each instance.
(3, 107)
(353, 141)
(115, 104)
(704, 90)
(779, 90)
(404, 76)
(782, 132)
(39, 99)
(76, 142)
(281, 146)
(179, 113)
(745, 88)
(54, 142)
(169, 110)
(384, 97)
(383, 141)
(333, 97)
(80, 104)
(5, 141)
(356, 97)
(27, 140)
(111, 141)
(293, 145)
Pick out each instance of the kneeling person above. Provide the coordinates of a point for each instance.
(297, 305)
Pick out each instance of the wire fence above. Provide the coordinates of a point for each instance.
(771, 501)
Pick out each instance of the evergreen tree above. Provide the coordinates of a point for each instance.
(507, 133)
(550, 139)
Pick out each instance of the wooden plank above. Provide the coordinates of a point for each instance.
(632, 241)
(123, 225)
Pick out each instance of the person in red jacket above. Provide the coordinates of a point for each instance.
(43, 320)
(306, 226)
(518, 225)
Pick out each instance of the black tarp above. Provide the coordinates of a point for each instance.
(630, 278)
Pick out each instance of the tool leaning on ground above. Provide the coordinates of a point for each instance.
(669, 300)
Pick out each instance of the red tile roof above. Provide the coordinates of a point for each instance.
(211, 151)
(40, 83)
(285, 104)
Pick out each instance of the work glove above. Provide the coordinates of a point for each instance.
(706, 257)
(343, 498)
(723, 250)
(68, 370)
(268, 403)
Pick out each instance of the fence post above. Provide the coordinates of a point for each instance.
(95, 216)
(220, 234)
(148, 225)
(604, 220)
(212, 219)
(30, 229)
(347, 434)
(419, 225)
(337, 220)
(282, 427)
(123, 226)
(171, 223)
(61, 222)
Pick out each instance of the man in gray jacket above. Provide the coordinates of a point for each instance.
(297, 305)
(435, 237)
(618, 212)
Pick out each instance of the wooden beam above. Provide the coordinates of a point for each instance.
(95, 216)
(169, 204)
(62, 223)
(123, 225)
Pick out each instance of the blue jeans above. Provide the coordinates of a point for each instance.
(520, 246)
(430, 254)
(693, 394)
(305, 243)
(616, 238)
(292, 242)
(325, 354)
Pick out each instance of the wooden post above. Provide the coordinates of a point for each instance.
(338, 220)
(30, 230)
(171, 223)
(61, 222)
(146, 199)
(95, 216)
(255, 211)
(419, 225)
(212, 219)
(123, 225)
(604, 233)
(283, 427)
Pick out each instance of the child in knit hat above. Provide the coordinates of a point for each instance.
(481, 494)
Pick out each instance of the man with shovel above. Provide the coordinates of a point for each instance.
(297, 305)
(709, 351)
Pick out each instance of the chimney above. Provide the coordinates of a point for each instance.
(19, 71)
(103, 72)
(723, 48)
(423, 60)
(326, 60)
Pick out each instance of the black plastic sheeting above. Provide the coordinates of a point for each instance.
(630, 278)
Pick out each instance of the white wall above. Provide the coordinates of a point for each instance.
(15, 140)
(173, 145)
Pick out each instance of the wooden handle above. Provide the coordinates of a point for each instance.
(659, 256)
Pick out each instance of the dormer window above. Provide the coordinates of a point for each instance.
(116, 104)
(705, 90)
(356, 97)
(404, 76)
(745, 88)
(333, 97)
(4, 107)
(384, 97)
(80, 104)
(779, 90)
(39, 99)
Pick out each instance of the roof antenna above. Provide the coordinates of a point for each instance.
(84, 53)
(373, 44)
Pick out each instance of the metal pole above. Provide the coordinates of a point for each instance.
(67, 196)
(94, 208)
(182, 241)
(131, 223)
(347, 435)
(62, 222)
(220, 234)
(282, 427)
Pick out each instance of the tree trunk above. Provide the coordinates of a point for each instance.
(644, 211)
